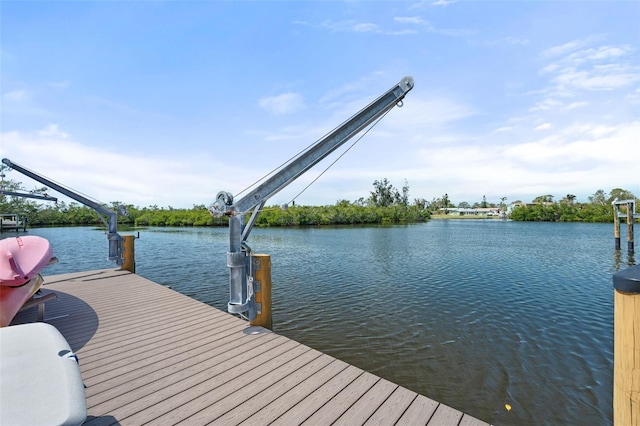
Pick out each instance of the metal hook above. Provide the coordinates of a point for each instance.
(400, 103)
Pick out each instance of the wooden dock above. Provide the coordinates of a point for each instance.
(149, 354)
(12, 222)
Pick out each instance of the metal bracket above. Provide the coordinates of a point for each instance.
(255, 263)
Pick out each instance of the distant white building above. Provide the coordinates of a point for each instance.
(459, 211)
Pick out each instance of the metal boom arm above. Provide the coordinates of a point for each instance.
(327, 145)
(36, 196)
(241, 290)
(115, 240)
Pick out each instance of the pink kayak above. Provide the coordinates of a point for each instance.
(21, 260)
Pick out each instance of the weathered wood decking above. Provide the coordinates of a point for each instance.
(151, 355)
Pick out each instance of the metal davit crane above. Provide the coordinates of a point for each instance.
(115, 240)
(241, 287)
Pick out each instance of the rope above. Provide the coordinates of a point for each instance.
(277, 168)
(340, 156)
(399, 104)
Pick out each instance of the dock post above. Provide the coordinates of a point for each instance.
(261, 266)
(128, 254)
(616, 226)
(626, 347)
(630, 219)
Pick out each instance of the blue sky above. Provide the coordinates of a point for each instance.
(169, 103)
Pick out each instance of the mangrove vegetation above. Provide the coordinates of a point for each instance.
(385, 204)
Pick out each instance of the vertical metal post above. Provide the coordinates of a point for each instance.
(240, 299)
(261, 266)
(626, 347)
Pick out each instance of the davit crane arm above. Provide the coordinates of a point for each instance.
(115, 240)
(241, 291)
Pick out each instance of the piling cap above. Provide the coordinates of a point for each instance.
(627, 280)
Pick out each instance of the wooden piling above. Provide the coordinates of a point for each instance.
(630, 217)
(616, 225)
(261, 264)
(128, 254)
(626, 348)
(630, 220)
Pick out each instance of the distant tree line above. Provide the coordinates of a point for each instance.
(385, 204)
(544, 208)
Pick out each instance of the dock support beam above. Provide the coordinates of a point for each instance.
(626, 347)
(261, 266)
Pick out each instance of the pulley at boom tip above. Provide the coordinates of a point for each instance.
(407, 83)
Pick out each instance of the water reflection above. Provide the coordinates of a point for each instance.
(623, 259)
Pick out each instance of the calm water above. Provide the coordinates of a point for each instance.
(475, 314)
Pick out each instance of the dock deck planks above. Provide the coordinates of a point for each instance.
(151, 355)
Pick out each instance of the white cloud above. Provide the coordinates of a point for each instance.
(543, 126)
(597, 78)
(16, 96)
(180, 181)
(59, 85)
(602, 68)
(52, 130)
(580, 158)
(285, 103)
(597, 146)
(369, 27)
(516, 40)
(562, 49)
(549, 68)
(349, 26)
(545, 105)
(411, 20)
(599, 54)
(400, 32)
(502, 41)
(426, 112)
(443, 3)
(575, 105)
(419, 5)
(365, 27)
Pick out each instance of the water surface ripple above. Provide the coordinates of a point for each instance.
(475, 314)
